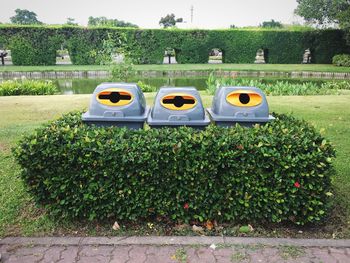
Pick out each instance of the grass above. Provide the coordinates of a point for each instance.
(180, 255)
(18, 215)
(290, 252)
(195, 67)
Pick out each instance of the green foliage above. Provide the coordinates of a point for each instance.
(104, 56)
(145, 87)
(104, 21)
(22, 52)
(122, 71)
(71, 21)
(147, 46)
(81, 51)
(25, 17)
(321, 11)
(279, 172)
(342, 60)
(169, 21)
(37, 48)
(27, 87)
(271, 24)
(336, 85)
(278, 88)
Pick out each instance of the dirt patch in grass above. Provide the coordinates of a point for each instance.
(5, 147)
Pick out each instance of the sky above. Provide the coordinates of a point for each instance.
(146, 14)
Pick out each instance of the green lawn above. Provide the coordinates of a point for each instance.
(183, 67)
(20, 115)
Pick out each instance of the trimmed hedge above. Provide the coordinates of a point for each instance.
(33, 47)
(279, 172)
(147, 46)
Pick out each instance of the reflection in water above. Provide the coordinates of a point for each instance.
(87, 86)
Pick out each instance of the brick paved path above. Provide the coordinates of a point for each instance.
(171, 253)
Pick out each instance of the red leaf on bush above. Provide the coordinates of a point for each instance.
(297, 185)
(240, 147)
(186, 206)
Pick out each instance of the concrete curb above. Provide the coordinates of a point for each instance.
(173, 240)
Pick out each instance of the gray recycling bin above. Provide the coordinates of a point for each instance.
(244, 105)
(117, 104)
(175, 107)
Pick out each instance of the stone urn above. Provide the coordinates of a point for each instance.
(307, 57)
(260, 59)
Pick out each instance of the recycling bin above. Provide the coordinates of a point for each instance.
(117, 104)
(243, 105)
(175, 107)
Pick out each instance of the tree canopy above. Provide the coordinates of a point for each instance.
(271, 24)
(323, 12)
(169, 21)
(104, 21)
(71, 21)
(24, 17)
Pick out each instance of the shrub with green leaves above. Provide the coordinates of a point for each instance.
(342, 60)
(146, 87)
(279, 172)
(27, 87)
(279, 88)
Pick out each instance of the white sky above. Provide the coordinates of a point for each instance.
(147, 13)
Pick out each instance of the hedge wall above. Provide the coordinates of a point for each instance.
(147, 46)
(279, 172)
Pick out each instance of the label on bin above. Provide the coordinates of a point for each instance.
(178, 101)
(244, 98)
(114, 97)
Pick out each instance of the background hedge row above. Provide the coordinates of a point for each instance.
(279, 172)
(37, 45)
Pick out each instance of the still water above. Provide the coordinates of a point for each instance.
(87, 86)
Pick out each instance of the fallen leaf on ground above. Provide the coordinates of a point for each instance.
(116, 226)
(197, 228)
(244, 229)
(209, 225)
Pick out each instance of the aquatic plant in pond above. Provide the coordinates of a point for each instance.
(27, 87)
(279, 87)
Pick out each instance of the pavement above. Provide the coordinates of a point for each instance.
(172, 249)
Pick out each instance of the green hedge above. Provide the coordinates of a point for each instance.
(280, 172)
(33, 47)
(147, 46)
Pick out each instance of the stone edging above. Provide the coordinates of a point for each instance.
(173, 240)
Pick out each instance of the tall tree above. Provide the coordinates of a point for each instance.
(104, 21)
(271, 24)
(71, 21)
(25, 17)
(322, 12)
(169, 21)
(325, 12)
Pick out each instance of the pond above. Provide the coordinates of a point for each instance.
(87, 86)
